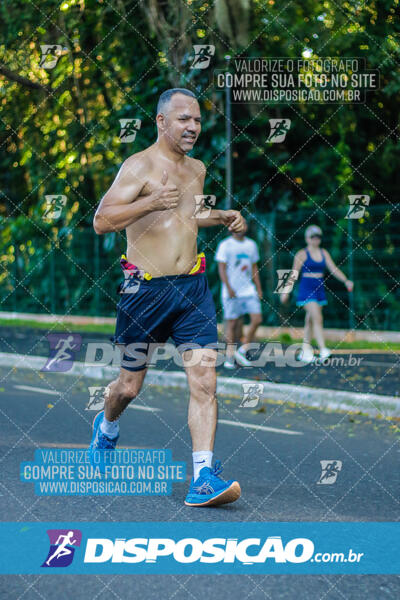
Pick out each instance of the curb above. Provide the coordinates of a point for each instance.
(371, 404)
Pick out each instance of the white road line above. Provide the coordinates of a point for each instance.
(133, 406)
(36, 389)
(30, 388)
(261, 427)
(148, 408)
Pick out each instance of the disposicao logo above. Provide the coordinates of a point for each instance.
(62, 547)
(190, 550)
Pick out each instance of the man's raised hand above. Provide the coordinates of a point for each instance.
(233, 220)
(164, 197)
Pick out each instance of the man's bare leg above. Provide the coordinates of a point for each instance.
(202, 414)
(202, 419)
(120, 392)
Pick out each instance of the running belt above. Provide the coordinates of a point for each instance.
(199, 267)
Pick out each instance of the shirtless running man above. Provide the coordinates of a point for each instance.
(153, 198)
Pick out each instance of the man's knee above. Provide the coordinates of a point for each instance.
(203, 383)
(128, 385)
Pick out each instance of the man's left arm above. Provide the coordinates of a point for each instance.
(232, 219)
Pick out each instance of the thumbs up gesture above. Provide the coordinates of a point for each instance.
(163, 196)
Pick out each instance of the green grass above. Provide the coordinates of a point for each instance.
(357, 344)
(89, 328)
(109, 329)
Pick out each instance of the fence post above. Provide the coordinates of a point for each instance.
(350, 255)
(269, 258)
(228, 150)
(96, 273)
(15, 276)
(52, 279)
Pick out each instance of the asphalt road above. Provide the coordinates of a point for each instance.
(278, 472)
(350, 371)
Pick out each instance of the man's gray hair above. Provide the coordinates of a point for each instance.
(167, 95)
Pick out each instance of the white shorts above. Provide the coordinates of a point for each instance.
(236, 307)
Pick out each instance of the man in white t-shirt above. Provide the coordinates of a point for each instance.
(237, 258)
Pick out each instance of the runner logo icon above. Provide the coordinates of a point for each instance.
(286, 280)
(202, 55)
(358, 205)
(330, 470)
(63, 347)
(279, 129)
(129, 128)
(251, 394)
(62, 547)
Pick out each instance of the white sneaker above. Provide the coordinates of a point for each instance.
(324, 353)
(241, 358)
(306, 355)
(229, 364)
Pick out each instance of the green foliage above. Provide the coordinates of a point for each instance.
(60, 129)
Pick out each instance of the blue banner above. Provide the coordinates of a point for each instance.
(205, 547)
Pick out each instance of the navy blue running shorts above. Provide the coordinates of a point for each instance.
(176, 306)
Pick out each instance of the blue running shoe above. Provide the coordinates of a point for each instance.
(211, 490)
(100, 442)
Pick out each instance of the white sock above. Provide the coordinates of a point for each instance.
(109, 428)
(202, 458)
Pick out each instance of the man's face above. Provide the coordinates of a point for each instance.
(181, 124)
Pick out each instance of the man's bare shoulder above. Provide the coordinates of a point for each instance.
(140, 162)
(197, 165)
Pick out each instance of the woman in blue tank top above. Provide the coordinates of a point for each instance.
(311, 264)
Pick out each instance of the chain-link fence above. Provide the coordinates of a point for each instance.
(74, 272)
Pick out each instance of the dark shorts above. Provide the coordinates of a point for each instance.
(176, 306)
(311, 289)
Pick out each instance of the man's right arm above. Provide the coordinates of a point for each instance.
(122, 205)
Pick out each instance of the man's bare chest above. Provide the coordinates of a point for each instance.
(189, 185)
